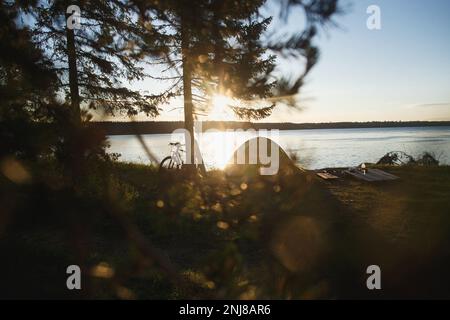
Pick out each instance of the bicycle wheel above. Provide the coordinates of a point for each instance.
(166, 163)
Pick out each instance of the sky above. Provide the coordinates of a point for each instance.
(398, 73)
(401, 72)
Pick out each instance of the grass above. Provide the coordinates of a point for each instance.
(404, 226)
(288, 236)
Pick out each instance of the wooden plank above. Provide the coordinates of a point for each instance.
(326, 176)
(359, 175)
(381, 175)
(385, 174)
(372, 175)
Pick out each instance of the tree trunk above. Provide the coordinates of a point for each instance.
(187, 93)
(218, 47)
(75, 164)
(73, 75)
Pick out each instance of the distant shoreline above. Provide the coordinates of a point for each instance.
(159, 127)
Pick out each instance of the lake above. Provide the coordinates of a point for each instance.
(314, 149)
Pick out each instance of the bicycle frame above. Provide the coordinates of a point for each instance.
(175, 154)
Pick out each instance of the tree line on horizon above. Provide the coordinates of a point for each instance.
(150, 127)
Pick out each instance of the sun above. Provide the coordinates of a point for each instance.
(220, 108)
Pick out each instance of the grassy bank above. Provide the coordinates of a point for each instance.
(286, 236)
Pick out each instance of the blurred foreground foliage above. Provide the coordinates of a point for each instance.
(138, 233)
(218, 236)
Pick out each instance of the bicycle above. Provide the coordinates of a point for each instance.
(175, 160)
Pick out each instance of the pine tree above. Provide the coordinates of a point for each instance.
(213, 48)
(25, 74)
(94, 60)
(221, 47)
(27, 87)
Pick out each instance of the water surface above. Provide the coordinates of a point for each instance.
(314, 148)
